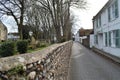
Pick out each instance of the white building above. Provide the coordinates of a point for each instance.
(13, 36)
(91, 40)
(82, 38)
(107, 28)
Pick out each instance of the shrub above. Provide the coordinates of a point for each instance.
(28, 41)
(22, 46)
(7, 49)
(62, 40)
(38, 44)
(43, 45)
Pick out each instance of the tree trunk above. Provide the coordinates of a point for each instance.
(20, 31)
(58, 34)
(21, 20)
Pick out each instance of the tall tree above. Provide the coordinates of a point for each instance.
(44, 16)
(16, 9)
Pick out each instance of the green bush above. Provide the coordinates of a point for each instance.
(28, 41)
(22, 46)
(43, 45)
(62, 40)
(38, 44)
(7, 49)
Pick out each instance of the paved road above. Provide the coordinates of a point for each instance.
(86, 65)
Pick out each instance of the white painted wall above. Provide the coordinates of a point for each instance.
(81, 39)
(107, 26)
(91, 40)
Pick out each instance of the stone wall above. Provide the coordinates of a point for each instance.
(51, 63)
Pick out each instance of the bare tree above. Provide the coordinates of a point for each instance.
(44, 16)
(39, 20)
(16, 9)
(55, 14)
(78, 3)
(55, 9)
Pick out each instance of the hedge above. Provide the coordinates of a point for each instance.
(7, 49)
(22, 46)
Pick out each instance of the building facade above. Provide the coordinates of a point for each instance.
(107, 28)
(3, 32)
(85, 37)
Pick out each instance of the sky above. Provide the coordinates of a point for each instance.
(9, 22)
(85, 16)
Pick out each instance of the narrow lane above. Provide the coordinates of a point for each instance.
(86, 65)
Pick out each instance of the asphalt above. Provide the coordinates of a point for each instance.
(87, 65)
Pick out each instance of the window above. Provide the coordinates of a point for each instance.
(96, 39)
(116, 9)
(109, 37)
(106, 41)
(109, 16)
(98, 21)
(113, 11)
(117, 38)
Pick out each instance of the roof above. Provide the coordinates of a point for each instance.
(104, 7)
(85, 32)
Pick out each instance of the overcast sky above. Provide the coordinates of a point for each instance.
(10, 23)
(85, 16)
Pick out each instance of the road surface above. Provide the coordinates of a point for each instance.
(86, 65)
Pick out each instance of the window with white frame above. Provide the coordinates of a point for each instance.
(109, 38)
(106, 39)
(96, 39)
(98, 21)
(113, 11)
(116, 38)
(109, 14)
(116, 9)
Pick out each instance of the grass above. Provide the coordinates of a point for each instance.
(1, 42)
(32, 50)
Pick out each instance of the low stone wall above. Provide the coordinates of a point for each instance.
(51, 63)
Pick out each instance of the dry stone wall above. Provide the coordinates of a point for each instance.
(51, 63)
